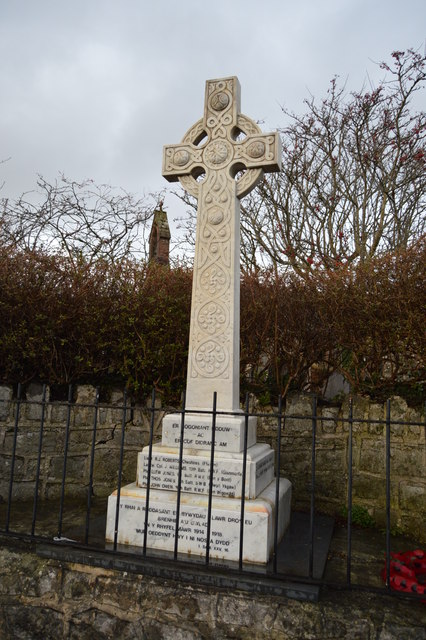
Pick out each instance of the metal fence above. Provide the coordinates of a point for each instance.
(309, 542)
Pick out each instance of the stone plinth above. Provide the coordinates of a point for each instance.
(227, 470)
(197, 432)
(259, 518)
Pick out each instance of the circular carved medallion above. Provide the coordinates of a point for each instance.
(181, 157)
(216, 153)
(215, 216)
(212, 318)
(256, 149)
(211, 359)
(214, 280)
(219, 101)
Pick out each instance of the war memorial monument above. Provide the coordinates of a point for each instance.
(220, 159)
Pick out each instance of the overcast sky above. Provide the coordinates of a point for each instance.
(95, 88)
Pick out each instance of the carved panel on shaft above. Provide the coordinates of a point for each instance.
(211, 334)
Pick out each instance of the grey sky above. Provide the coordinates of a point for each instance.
(95, 88)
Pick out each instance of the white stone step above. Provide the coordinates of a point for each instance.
(227, 476)
(259, 517)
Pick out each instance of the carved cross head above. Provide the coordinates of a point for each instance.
(224, 142)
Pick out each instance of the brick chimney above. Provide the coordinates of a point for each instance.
(159, 238)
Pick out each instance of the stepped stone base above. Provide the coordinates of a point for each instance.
(259, 519)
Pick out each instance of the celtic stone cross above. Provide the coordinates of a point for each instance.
(229, 151)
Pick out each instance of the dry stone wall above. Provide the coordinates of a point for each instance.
(407, 459)
(48, 599)
(408, 453)
(107, 443)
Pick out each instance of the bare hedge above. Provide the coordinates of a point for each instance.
(128, 323)
(99, 323)
(365, 321)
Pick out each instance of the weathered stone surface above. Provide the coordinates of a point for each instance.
(399, 408)
(298, 405)
(407, 460)
(5, 467)
(93, 623)
(413, 525)
(59, 413)
(329, 423)
(295, 463)
(86, 394)
(323, 481)
(32, 623)
(21, 492)
(35, 397)
(53, 440)
(80, 437)
(47, 599)
(124, 593)
(73, 489)
(412, 496)
(330, 456)
(5, 400)
(26, 575)
(376, 413)
(232, 611)
(78, 585)
(134, 437)
(361, 407)
(106, 465)
(372, 457)
(368, 488)
(75, 468)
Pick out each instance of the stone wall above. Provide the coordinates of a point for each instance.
(407, 459)
(107, 443)
(408, 468)
(48, 599)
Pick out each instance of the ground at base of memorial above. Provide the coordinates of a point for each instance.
(368, 545)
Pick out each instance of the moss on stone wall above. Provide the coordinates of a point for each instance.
(49, 600)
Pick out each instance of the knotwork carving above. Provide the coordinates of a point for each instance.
(213, 280)
(216, 153)
(211, 359)
(219, 101)
(212, 317)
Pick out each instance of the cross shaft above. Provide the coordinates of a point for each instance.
(231, 152)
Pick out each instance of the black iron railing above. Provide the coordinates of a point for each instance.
(88, 545)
